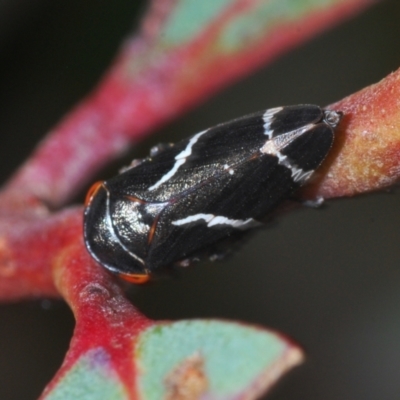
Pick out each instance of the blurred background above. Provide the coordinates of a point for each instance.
(328, 278)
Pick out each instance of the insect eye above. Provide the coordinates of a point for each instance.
(92, 191)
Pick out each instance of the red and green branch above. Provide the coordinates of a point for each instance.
(172, 64)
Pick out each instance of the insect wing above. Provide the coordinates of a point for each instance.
(236, 195)
(309, 150)
(226, 205)
(282, 120)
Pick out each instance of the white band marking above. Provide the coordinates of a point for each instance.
(274, 145)
(267, 117)
(213, 220)
(180, 160)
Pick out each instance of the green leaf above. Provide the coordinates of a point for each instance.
(91, 378)
(212, 358)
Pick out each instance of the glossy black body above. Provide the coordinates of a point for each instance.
(188, 198)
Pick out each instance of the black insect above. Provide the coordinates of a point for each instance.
(187, 199)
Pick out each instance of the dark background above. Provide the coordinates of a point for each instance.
(329, 278)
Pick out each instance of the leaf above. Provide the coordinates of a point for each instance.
(118, 353)
(91, 378)
(185, 360)
(214, 359)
